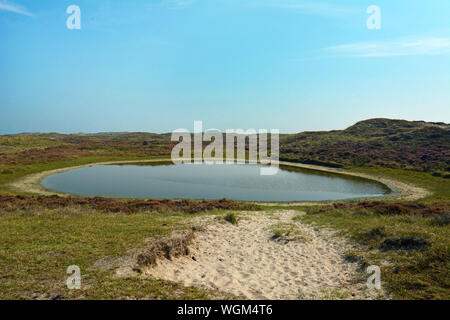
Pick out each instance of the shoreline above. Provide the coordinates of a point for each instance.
(399, 190)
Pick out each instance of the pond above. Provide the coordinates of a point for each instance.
(202, 181)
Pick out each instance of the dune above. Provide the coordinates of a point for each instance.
(245, 260)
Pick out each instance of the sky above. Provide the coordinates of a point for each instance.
(159, 65)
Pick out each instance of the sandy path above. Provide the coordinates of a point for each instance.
(243, 260)
(405, 191)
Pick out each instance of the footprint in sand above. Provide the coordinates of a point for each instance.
(259, 268)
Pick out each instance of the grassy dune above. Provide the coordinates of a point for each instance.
(412, 250)
(12, 144)
(38, 243)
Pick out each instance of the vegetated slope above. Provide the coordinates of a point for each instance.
(17, 143)
(416, 145)
(376, 142)
(73, 146)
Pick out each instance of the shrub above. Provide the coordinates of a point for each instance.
(441, 220)
(408, 243)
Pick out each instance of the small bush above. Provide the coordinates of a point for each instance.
(441, 220)
(408, 243)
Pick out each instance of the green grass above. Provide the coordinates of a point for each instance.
(231, 218)
(439, 187)
(406, 274)
(10, 144)
(37, 247)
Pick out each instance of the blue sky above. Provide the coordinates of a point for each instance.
(159, 65)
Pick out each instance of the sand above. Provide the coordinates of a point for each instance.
(245, 261)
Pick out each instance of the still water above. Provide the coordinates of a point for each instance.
(201, 181)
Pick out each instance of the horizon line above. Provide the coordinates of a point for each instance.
(441, 123)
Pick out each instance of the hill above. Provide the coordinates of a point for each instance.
(416, 145)
(389, 143)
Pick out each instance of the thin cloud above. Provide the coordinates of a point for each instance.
(11, 7)
(312, 8)
(410, 47)
(179, 4)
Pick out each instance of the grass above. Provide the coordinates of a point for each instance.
(441, 221)
(34, 260)
(11, 144)
(407, 273)
(231, 218)
(439, 187)
(334, 294)
(286, 232)
(37, 246)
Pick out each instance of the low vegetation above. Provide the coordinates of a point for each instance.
(385, 143)
(411, 246)
(286, 232)
(21, 143)
(12, 203)
(231, 218)
(167, 248)
(363, 208)
(41, 236)
(37, 245)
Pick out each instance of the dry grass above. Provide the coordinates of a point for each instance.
(168, 248)
(286, 232)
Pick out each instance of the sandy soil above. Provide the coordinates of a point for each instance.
(245, 261)
(404, 191)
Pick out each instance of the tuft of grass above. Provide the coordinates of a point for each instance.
(353, 256)
(334, 294)
(231, 218)
(377, 233)
(286, 232)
